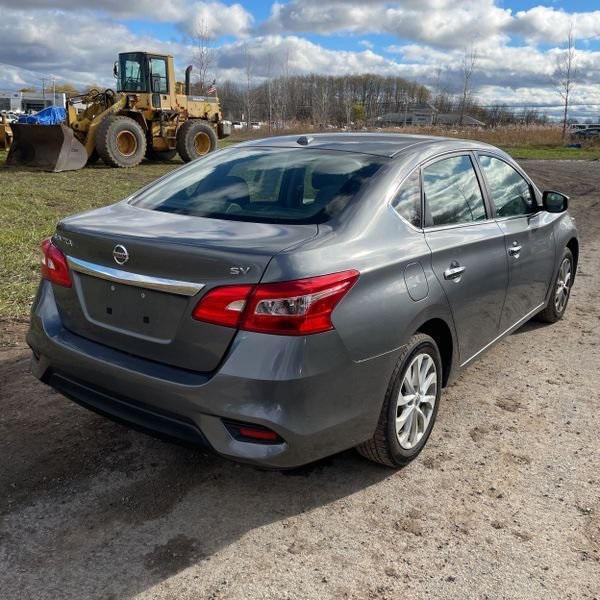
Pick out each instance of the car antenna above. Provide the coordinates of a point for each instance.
(304, 140)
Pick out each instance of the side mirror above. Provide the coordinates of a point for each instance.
(116, 70)
(555, 202)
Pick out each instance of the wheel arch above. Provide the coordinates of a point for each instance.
(573, 246)
(441, 332)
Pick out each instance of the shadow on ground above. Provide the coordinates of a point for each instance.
(162, 507)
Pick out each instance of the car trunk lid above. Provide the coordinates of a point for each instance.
(139, 273)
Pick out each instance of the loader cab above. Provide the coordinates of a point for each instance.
(142, 73)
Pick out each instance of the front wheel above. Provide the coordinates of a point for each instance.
(410, 405)
(120, 141)
(561, 291)
(195, 138)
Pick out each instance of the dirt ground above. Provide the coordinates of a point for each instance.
(503, 503)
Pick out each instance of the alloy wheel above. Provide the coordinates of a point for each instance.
(416, 400)
(563, 283)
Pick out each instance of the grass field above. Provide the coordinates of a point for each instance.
(31, 203)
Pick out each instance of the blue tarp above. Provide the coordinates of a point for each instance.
(53, 115)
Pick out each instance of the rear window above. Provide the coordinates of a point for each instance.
(264, 185)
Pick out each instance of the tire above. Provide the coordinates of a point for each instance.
(160, 156)
(195, 138)
(120, 141)
(385, 447)
(93, 158)
(555, 310)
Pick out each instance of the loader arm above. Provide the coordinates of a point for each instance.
(90, 140)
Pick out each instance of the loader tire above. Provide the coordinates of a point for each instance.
(120, 141)
(160, 155)
(195, 138)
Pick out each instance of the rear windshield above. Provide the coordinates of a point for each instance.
(271, 185)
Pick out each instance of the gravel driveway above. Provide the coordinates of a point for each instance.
(503, 503)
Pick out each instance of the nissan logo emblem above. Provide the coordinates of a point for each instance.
(120, 254)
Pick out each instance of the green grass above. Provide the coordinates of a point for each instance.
(553, 153)
(32, 202)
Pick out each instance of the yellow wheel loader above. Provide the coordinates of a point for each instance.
(150, 115)
(5, 133)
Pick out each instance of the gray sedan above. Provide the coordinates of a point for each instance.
(292, 297)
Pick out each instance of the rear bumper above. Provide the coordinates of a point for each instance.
(307, 389)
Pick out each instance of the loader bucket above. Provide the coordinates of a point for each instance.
(46, 147)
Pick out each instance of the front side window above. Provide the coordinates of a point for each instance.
(132, 77)
(158, 75)
(452, 192)
(510, 192)
(274, 185)
(407, 201)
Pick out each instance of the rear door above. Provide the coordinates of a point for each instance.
(528, 235)
(467, 249)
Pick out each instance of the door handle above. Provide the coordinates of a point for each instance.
(514, 250)
(454, 272)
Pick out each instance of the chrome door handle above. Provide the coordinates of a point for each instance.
(454, 272)
(514, 250)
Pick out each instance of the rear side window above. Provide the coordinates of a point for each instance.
(452, 192)
(510, 192)
(407, 202)
(275, 185)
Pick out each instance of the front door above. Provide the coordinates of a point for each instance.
(467, 250)
(528, 235)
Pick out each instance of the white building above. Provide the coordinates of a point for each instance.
(30, 101)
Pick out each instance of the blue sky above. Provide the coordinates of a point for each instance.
(517, 42)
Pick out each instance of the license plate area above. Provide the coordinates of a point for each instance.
(132, 310)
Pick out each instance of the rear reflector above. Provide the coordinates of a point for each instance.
(246, 432)
(299, 307)
(54, 264)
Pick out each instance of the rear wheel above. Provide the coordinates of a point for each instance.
(120, 141)
(195, 138)
(561, 292)
(410, 405)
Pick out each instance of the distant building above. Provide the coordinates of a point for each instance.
(426, 114)
(30, 101)
(414, 114)
(454, 119)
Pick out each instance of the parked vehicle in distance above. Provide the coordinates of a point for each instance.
(288, 298)
(586, 134)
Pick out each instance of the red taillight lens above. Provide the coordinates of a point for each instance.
(54, 264)
(299, 307)
(223, 305)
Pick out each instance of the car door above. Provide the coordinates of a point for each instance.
(467, 249)
(528, 235)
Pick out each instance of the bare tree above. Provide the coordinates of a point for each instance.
(204, 56)
(565, 74)
(468, 66)
(249, 72)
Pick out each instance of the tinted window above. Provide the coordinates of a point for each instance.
(510, 193)
(407, 202)
(158, 73)
(131, 73)
(266, 184)
(452, 192)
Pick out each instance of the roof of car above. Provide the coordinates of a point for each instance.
(380, 144)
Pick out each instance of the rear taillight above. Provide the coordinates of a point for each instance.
(299, 307)
(54, 264)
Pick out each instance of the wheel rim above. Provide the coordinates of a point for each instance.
(416, 400)
(126, 143)
(563, 286)
(201, 143)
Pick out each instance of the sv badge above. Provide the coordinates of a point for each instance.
(239, 270)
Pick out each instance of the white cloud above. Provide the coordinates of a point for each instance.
(545, 24)
(446, 23)
(78, 40)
